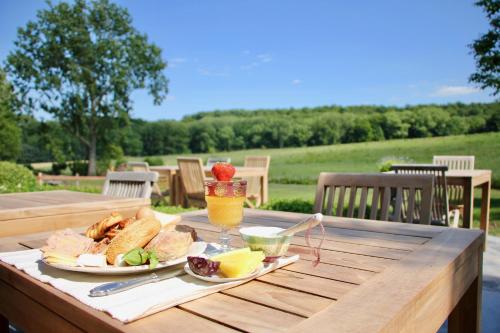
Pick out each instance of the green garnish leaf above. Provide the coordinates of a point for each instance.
(153, 259)
(134, 257)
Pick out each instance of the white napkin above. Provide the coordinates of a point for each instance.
(128, 305)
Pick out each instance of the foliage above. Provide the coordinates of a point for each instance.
(16, 178)
(10, 135)
(291, 205)
(79, 167)
(487, 49)
(386, 162)
(154, 160)
(80, 61)
(57, 168)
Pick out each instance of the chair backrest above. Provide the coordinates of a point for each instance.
(129, 184)
(138, 166)
(212, 160)
(401, 198)
(440, 204)
(253, 183)
(455, 162)
(192, 175)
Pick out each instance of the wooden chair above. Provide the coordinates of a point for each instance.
(455, 162)
(455, 192)
(144, 167)
(412, 204)
(129, 184)
(441, 213)
(253, 183)
(193, 180)
(212, 160)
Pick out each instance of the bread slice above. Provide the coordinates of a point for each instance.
(137, 234)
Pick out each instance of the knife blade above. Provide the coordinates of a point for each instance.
(119, 286)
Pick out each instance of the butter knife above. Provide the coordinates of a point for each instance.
(119, 286)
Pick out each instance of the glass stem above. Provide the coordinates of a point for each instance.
(225, 239)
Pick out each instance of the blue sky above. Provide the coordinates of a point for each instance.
(273, 54)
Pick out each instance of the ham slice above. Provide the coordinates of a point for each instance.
(68, 242)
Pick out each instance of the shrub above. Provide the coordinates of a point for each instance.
(291, 205)
(154, 160)
(385, 163)
(16, 178)
(79, 167)
(58, 167)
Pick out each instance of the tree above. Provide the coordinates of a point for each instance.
(10, 134)
(486, 49)
(80, 62)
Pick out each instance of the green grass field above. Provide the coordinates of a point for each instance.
(302, 165)
(298, 164)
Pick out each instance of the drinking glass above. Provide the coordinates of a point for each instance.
(225, 206)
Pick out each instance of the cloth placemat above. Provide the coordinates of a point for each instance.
(128, 305)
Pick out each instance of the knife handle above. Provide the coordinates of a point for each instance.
(116, 287)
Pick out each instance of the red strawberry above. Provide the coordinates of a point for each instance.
(223, 171)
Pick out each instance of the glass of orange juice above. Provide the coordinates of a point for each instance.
(225, 206)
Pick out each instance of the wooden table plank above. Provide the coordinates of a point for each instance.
(288, 300)
(389, 289)
(411, 288)
(339, 273)
(177, 320)
(308, 283)
(242, 314)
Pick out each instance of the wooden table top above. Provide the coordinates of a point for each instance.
(32, 204)
(373, 277)
(241, 171)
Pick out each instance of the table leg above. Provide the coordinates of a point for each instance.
(468, 204)
(466, 316)
(264, 188)
(4, 324)
(485, 207)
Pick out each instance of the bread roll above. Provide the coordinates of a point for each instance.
(134, 235)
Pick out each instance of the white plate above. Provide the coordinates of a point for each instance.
(221, 279)
(196, 249)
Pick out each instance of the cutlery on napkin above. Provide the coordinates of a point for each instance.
(119, 286)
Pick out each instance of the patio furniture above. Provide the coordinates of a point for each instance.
(177, 192)
(192, 180)
(412, 196)
(144, 167)
(253, 183)
(129, 184)
(30, 212)
(441, 214)
(212, 160)
(373, 277)
(455, 192)
(455, 162)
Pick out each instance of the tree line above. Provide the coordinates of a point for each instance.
(215, 131)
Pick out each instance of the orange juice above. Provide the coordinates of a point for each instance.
(226, 212)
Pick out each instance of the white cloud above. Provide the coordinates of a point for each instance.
(296, 82)
(265, 57)
(260, 59)
(209, 72)
(175, 62)
(445, 91)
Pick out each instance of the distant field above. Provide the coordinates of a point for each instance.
(304, 164)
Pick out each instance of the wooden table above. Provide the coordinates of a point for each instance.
(373, 277)
(171, 173)
(471, 179)
(22, 213)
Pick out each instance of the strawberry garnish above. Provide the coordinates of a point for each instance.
(223, 171)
